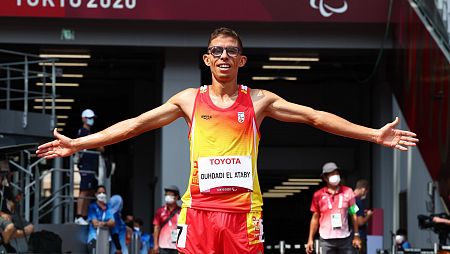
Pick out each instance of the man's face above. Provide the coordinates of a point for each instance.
(224, 68)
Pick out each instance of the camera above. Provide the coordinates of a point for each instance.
(443, 230)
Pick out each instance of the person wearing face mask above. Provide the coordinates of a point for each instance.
(118, 232)
(88, 163)
(331, 206)
(165, 223)
(146, 240)
(99, 216)
(363, 215)
(401, 240)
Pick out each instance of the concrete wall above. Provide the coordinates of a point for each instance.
(396, 171)
(181, 71)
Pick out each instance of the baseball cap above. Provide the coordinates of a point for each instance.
(329, 167)
(88, 113)
(172, 188)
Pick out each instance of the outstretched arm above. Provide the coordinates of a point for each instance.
(153, 119)
(280, 109)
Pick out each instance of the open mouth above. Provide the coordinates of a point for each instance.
(224, 66)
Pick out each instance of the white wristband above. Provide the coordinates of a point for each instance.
(356, 234)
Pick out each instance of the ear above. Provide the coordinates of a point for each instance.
(206, 60)
(242, 61)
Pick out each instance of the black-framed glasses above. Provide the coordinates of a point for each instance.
(217, 51)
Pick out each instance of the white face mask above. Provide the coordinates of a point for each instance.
(334, 179)
(101, 197)
(169, 199)
(90, 121)
(399, 239)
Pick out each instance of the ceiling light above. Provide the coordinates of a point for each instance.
(273, 78)
(263, 78)
(60, 129)
(275, 195)
(291, 187)
(60, 124)
(62, 117)
(305, 180)
(50, 107)
(65, 56)
(64, 64)
(287, 67)
(285, 191)
(300, 183)
(56, 100)
(72, 75)
(59, 84)
(63, 75)
(295, 59)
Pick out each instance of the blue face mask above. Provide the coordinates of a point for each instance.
(90, 121)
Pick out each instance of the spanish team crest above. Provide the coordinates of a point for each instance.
(241, 117)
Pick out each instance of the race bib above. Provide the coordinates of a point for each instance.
(224, 174)
(336, 221)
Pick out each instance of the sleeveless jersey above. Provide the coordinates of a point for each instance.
(223, 152)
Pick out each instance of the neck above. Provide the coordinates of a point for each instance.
(333, 188)
(171, 206)
(86, 126)
(224, 88)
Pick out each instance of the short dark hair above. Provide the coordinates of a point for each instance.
(228, 32)
(139, 221)
(100, 186)
(362, 183)
(401, 231)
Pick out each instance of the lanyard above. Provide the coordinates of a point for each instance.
(330, 206)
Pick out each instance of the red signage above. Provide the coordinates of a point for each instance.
(203, 10)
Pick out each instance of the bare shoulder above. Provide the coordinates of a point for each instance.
(260, 95)
(185, 95)
(185, 100)
(262, 101)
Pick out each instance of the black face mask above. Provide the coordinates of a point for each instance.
(129, 224)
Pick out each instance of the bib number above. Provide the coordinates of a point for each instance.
(224, 174)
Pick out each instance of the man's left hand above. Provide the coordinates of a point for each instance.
(357, 242)
(395, 138)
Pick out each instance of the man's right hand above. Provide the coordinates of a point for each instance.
(369, 213)
(62, 146)
(310, 247)
(156, 249)
(6, 216)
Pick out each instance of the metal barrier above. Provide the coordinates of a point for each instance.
(28, 67)
(135, 242)
(61, 204)
(282, 247)
(102, 243)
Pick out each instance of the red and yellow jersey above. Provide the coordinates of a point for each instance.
(223, 152)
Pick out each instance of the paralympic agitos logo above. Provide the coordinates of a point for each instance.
(327, 9)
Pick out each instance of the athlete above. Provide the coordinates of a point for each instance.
(221, 211)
